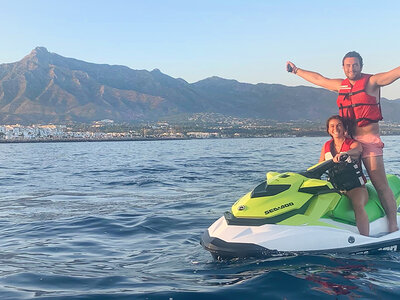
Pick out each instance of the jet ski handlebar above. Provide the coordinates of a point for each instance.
(318, 170)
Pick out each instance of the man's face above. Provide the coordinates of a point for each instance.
(352, 68)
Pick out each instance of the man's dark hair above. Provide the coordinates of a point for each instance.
(353, 54)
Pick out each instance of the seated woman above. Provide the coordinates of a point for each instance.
(354, 186)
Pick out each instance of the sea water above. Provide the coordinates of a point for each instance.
(123, 220)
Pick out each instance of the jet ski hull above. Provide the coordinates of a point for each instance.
(299, 213)
(226, 241)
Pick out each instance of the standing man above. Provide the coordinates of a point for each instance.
(359, 102)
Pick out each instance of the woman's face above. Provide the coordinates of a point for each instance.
(336, 128)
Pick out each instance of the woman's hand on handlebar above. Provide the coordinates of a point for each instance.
(342, 156)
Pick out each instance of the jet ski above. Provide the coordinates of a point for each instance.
(300, 213)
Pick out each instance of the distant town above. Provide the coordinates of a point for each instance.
(198, 126)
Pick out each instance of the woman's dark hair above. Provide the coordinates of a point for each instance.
(348, 124)
(353, 54)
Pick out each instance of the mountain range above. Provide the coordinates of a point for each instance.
(45, 87)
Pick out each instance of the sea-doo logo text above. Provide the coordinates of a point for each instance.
(389, 248)
(279, 208)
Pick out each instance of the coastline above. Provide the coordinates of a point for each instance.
(85, 140)
(167, 132)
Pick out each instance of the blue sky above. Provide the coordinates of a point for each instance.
(249, 41)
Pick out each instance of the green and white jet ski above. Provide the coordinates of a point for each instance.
(299, 213)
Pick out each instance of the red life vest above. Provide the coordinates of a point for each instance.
(330, 151)
(354, 103)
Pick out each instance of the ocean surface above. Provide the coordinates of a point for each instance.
(123, 220)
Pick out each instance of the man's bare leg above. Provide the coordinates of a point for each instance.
(376, 172)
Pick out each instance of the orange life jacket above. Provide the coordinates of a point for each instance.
(354, 103)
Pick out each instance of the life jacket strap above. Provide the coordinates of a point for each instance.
(369, 120)
(359, 104)
(352, 93)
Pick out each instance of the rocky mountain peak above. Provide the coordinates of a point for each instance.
(39, 55)
(40, 50)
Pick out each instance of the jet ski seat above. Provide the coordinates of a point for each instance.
(344, 211)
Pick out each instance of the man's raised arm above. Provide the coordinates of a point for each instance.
(385, 78)
(315, 78)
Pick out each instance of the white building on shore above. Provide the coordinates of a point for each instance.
(20, 132)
